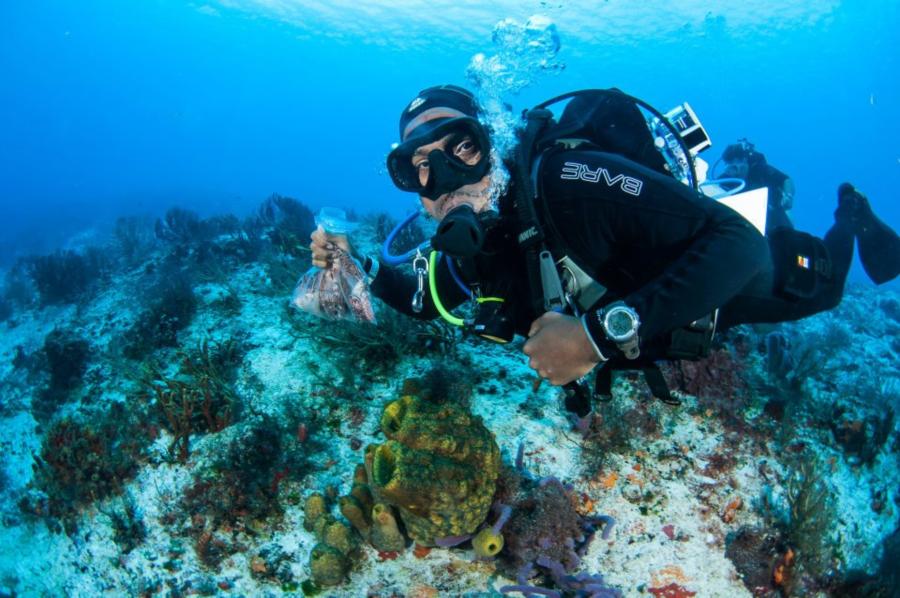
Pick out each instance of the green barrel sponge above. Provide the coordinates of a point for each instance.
(438, 468)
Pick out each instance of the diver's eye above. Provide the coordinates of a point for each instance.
(422, 169)
(467, 151)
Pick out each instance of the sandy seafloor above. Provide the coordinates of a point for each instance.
(647, 482)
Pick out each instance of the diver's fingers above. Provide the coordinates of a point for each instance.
(546, 319)
(317, 248)
(323, 245)
(318, 241)
(339, 241)
(331, 241)
(321, 262)
(528, 347)
(320, 253)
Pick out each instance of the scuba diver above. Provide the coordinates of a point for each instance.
(744, 162)
(595, 251)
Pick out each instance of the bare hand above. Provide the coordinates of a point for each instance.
(559, 348)
(324, 247)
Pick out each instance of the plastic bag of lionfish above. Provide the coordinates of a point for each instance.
(338, 292)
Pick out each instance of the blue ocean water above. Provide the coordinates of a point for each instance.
(109, 108)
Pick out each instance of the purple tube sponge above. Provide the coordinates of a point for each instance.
(451, 541)
(545, 537)
(607, 522)
(502, 517)
(520, 458)
(531, 591)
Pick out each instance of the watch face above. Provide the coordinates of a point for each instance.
(619, 324)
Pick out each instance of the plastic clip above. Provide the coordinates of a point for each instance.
(554, 299)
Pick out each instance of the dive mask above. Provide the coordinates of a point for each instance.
(446, 171)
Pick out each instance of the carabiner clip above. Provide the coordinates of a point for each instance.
(420, 267)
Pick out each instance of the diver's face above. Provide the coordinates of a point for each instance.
(737, 169)
(464, 149)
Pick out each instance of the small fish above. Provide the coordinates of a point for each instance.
(871, 99)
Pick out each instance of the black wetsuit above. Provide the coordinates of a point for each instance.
(672, 254)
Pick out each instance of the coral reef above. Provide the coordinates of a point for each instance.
(171, 307)
(239, 488)
(861, 439)
(129, 529)
(65, 357)
(757, 556)
(811, 513)
(546, 536)
(799, 521)
(792, 359)
(82, 462)
(613, 426)
(363, 352)
(18, 287)
(289, 223)
(180, 227)
(66, 276)
(332, 557)
(134, 238)
(200, 398)
(257, 404)
(720, 384)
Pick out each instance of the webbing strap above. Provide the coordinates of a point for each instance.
(658, 386)
(530, 236)
(652, 374)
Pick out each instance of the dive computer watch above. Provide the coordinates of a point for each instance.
(621, 324)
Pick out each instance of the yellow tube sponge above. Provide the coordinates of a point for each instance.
(386, 534)
(355, 514)
(314, 507)
(327, 565)
(487, 543)
(339, 535)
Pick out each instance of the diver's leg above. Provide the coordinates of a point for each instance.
(757, 303)
(839, 242)
(853, 219)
